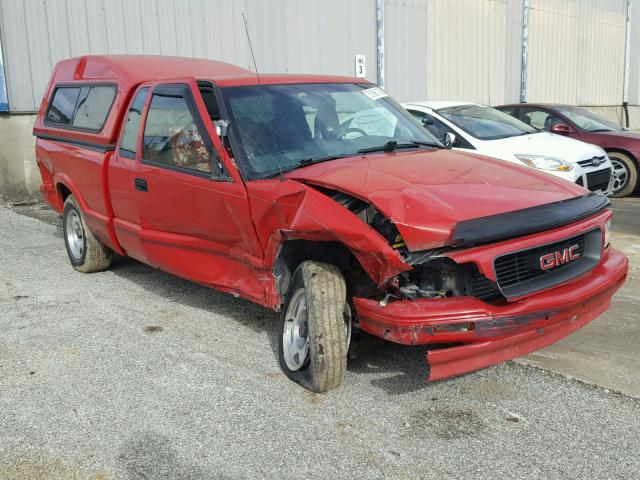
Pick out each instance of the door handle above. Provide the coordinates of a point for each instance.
(141, 184)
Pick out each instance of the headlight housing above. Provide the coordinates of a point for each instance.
(607, 232)
(545, 163)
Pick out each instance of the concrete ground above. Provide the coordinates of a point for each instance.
(136, 374)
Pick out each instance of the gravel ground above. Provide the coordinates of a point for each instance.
(135, 374)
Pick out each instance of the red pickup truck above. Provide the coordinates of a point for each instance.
(321, 198)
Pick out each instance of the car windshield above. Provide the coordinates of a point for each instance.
(588, 121)
(283, 127)
(485, 123)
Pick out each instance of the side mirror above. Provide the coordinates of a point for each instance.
(449, 139)
(561, 128)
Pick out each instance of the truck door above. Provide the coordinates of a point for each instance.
(192, 205)
(123, 169)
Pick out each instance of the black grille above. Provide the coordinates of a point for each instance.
(520, 273)
(599, 180)
(523, 266)
(483, 288)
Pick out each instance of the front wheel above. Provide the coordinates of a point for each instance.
(315, 327)
(625, 174)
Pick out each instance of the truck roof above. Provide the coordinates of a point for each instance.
(129, 71)
(136, 69)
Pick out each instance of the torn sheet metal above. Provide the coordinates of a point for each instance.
(289, 210)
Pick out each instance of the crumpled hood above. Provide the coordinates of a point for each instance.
(425, 193)
(543, 143)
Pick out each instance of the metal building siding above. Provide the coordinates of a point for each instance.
(576, 51)
(406, 49)
(467, 54)
(513, 56)
(435, 49)
(288, 35)
(634, 54)
(453, 49)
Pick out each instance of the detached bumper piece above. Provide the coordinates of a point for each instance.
(488, 334)
(599, 180)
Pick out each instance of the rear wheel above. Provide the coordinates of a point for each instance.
(86, 253)
(315, 327)
(625, 174)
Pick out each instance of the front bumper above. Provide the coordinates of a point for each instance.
(490, 333)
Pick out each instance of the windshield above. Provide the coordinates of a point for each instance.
(588, 121)
(278, 127)
(485, 123)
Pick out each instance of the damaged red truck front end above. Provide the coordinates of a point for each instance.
(482, 288)
(321, 198)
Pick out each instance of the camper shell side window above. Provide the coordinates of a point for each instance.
(81, 106)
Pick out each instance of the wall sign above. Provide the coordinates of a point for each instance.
(361, 66)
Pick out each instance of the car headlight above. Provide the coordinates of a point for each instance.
(607, 232)
(545, 163)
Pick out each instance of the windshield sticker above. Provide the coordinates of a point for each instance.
(375, 93)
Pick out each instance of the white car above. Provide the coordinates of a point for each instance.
(487, 131)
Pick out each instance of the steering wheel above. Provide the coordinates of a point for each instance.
(353, 130)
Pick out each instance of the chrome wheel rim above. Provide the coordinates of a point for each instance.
(620, 175)
(295, 336)
(347, 323)
(75, 234)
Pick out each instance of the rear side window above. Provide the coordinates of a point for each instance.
(63, 105)
(129, 142)
(93, 107)
(82, 107)
(171, 136)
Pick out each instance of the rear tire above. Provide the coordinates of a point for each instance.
(625, 173)
(86, 253)
(314, 327)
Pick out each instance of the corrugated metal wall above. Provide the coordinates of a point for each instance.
(435, 49)
(576, 51)
(405, 49)
(634, 54)
(287, 35)
(470, 55)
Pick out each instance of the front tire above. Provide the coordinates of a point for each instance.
(625, 174)
(86, 253)
(314, 327)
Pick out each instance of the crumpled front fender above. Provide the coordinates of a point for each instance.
(289, 210)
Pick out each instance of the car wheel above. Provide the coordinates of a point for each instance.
(625, 174)
(315, 327)
(86, 253)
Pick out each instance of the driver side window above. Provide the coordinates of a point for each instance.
(439, 129)
(171, 136)
(433, 125)
(537, 118)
